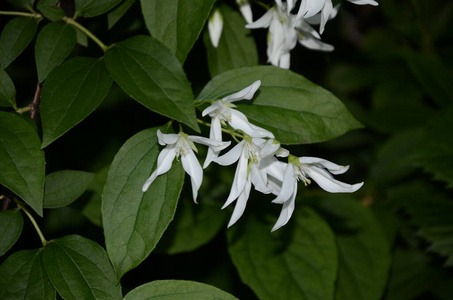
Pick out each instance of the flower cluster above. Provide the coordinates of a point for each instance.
(286, 28)
(256, 156)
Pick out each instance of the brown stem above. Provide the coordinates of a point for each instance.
(6, 202)
(34, 106)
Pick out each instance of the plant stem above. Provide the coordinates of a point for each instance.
(38, 230)
(20, 14)
(88, 33)
(21, 110)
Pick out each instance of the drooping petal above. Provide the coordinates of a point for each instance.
(211, 108)
(363, 2)
(240, 121)
(244, 94)
(239, 181)
(311, 42)
(259, 179)
(274, 185)
(209, 142)
(289, 186)
(215, 26)
(167, 139)
(285, 61)
(332, 167)
(273, 167)
(330, 184)
(231, 156)
(309, 8)
(164, 162)
(325, 14)
(246, 10)
(316, 19)
(286, 213)
(262, 22)
(192, 167)
(215, 133)
(241, 203)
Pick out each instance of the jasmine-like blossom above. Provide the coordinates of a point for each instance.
(215, 27)
(182, 145)
(303, 169)
(222, 112)
(246, 10)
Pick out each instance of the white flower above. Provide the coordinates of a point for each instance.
(215, 27)
(181, 145)
(223, 111)
(304, 168)
(245, 9)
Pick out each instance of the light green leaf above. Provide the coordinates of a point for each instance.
(7, 90)
(92, 8)
(15, 37)
(134, 221)
(50, 10)
(24, 277)
(64, 187)
(71, 92)
(176, 290)
(53, 44)
(145, 69)
(21, 160)
(80, 269)
(115, 15)
(176, 23)
(11, 223)
(293, 108)
(298, 261)
(236, 46)
(363, 249)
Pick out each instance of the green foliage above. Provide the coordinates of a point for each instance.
(93, 8)
(79, 269)
(49, 9)
(115, 15)
(163, 86)
(176, 23)
(7, 90)
(301, 111)
(21, 160)
(134, 221)
(71, 93)
(177, 289)
(15, 37)
(11, 223)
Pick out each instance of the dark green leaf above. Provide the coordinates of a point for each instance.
(71, 92)
(53, 44)
(21, 160)
(22, 3)
(16, 36)
(134, 221)
(64, 187)
(297, 262)
(292, 107)
(363, 249)
(24, 277)
(50, 10)
(7, 90)
(11, 223)
(115, 15)
(81, 38)
(92, 209)
(176, 23)
(236, 46)
(145, 69)
(92, 8)
(176, 290)
(80, 269)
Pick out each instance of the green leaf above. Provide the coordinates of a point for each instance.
(92, 210)
(115, 15)
(11, 223)
(7, 90)
(149, 73)
(22, 3)
(71, 92)
(24, 277)
(53, 44)
(15, 37)
(296, 262)
(81, 38)
(176, 290)
(22, 162)
(80, 269)
(236, 46)
(176, 23)
(64, 187)
(50, 10)
(290, 106)
(363, 249)
(134, 221)
(431, 211)
(92, 8)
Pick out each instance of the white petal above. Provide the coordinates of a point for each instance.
(362, 2)
(215, 26)
(213, 107)
(330, 184)
(239, 181)
(273, 167)
(310, 8)
(240, 121)
(164, 161)
(286, 213)
(262, 22)
(316, 19)
(231, 156)
(274, 185)
(270, 147)
(215, 133)
(192, 167)
(166, 139)
(259, 179)
(288, 186)
(219, 145)
(285, 61)
(325, 14)
(241, 203)
(246, 10)
(313, 43)
(246, 93)
(332, 167)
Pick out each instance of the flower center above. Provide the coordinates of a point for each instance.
(183, 146)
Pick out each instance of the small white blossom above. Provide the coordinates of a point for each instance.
(181, 145)
(245, 9)
(215, 27)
